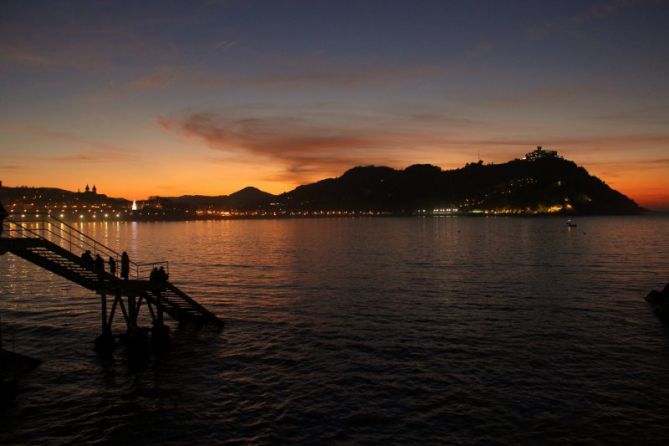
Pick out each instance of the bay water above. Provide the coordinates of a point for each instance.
(360, 331)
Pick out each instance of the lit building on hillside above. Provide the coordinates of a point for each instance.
(540, 153)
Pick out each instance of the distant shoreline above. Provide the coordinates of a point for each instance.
(359, 216)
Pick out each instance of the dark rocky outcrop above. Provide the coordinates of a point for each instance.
(659, 301)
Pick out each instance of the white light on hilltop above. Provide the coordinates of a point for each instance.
(134, 205)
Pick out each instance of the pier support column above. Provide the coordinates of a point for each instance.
(132, 314)
(136, 339)
(103, 311)
(160, 333)
(105, 342)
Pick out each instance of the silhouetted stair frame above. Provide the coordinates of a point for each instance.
(32, 241)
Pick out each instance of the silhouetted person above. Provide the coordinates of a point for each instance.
(162, 275)
(3, 215)
(125, 265)
(153, 277)
(100, 267)
(87, 258)
(112, 266)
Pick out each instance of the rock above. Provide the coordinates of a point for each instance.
(655, 297)
(665, 290)
(659, 300)
(662, 312)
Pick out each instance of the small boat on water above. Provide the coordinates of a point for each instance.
(571, 224)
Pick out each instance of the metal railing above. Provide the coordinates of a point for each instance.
(53, 229)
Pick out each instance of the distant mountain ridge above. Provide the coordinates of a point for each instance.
(247, 198)
(540, 182)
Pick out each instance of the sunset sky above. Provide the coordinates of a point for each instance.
(188, 97)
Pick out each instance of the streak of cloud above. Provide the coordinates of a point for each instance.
(18, 54)
(309, 146)
(329, 75)
(65, 137)
(539, 96)
(607, 142)
(303, 146)
(89, 157)
(159, 78)
(658, 115)
(575, 21)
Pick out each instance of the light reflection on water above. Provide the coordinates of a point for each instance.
(446, 330)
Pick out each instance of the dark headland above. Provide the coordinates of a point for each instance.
(542, 182)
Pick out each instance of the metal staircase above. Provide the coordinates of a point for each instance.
(50, 243)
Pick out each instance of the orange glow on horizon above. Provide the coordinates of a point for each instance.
(649, 188)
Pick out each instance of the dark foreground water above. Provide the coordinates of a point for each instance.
(362, 331)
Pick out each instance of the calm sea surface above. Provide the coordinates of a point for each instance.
(361, 331)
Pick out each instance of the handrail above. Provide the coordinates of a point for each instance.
(84, 242)
(81, 240)
(72, 228)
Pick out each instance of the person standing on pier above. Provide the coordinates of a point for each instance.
(100, 267)
(162, 275)
(125, 265)
(3, 215)
(87, 259)
(112, 266)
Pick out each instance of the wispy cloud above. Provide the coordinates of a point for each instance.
(309, 145)
(83, 150)
(576, 21)
(601, 141)
(441, 118)
(558, 93)
(65, 137)
(316, 75)
(87, 157)
(634, 164)
(323, 74)
(10, 167)
(658, 115)
(156, 79)
(14, 53)
(159, 78)
(67, 37)
(224, 45)
(302, 145)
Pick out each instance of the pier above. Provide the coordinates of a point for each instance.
(54, 245)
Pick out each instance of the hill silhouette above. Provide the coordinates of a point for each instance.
(540, 182)
(47, 195)
(247, 198)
